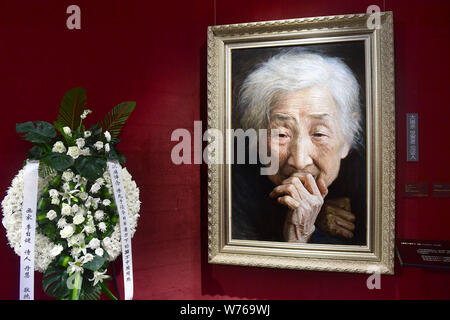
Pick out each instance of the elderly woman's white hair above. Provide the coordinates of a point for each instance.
(294, 70)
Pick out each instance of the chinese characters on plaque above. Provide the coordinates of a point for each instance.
(121, 203)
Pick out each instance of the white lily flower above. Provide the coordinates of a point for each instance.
(75, 266)
(107, 136)
(99, 277)
(85, 113)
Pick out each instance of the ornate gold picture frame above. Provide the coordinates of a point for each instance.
(235, 53)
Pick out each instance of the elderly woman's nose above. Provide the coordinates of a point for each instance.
(301, 153)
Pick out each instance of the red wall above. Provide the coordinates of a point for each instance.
(155, 53)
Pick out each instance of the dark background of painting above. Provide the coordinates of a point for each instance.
(352, 175)
(155, 53)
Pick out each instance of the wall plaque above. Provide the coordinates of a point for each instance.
(416, 190)
(424, 253)
(441, 190)
(412, 137)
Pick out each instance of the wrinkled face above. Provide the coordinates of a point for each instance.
(309, 136)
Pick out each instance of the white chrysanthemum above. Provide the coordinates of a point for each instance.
(94, 243)
(59, 147)
(106, 202)
(74, 152)
(12, 220)
(55, 201)
(102, 226)
(99, 214)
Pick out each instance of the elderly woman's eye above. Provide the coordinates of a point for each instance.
(282, 135)
(318, 135)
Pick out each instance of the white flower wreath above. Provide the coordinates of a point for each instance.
(46, 250)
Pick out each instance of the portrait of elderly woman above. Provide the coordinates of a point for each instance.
(312, 96)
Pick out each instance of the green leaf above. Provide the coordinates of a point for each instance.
(116, 118)
(24, 127)
(37, 132)
(72, 106)
(35, 153)
(58, 161)
(90, 292)
(90, 167)
(54, 282)
(45, 170)
(95, 263)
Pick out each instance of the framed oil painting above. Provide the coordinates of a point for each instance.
(303, 141)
